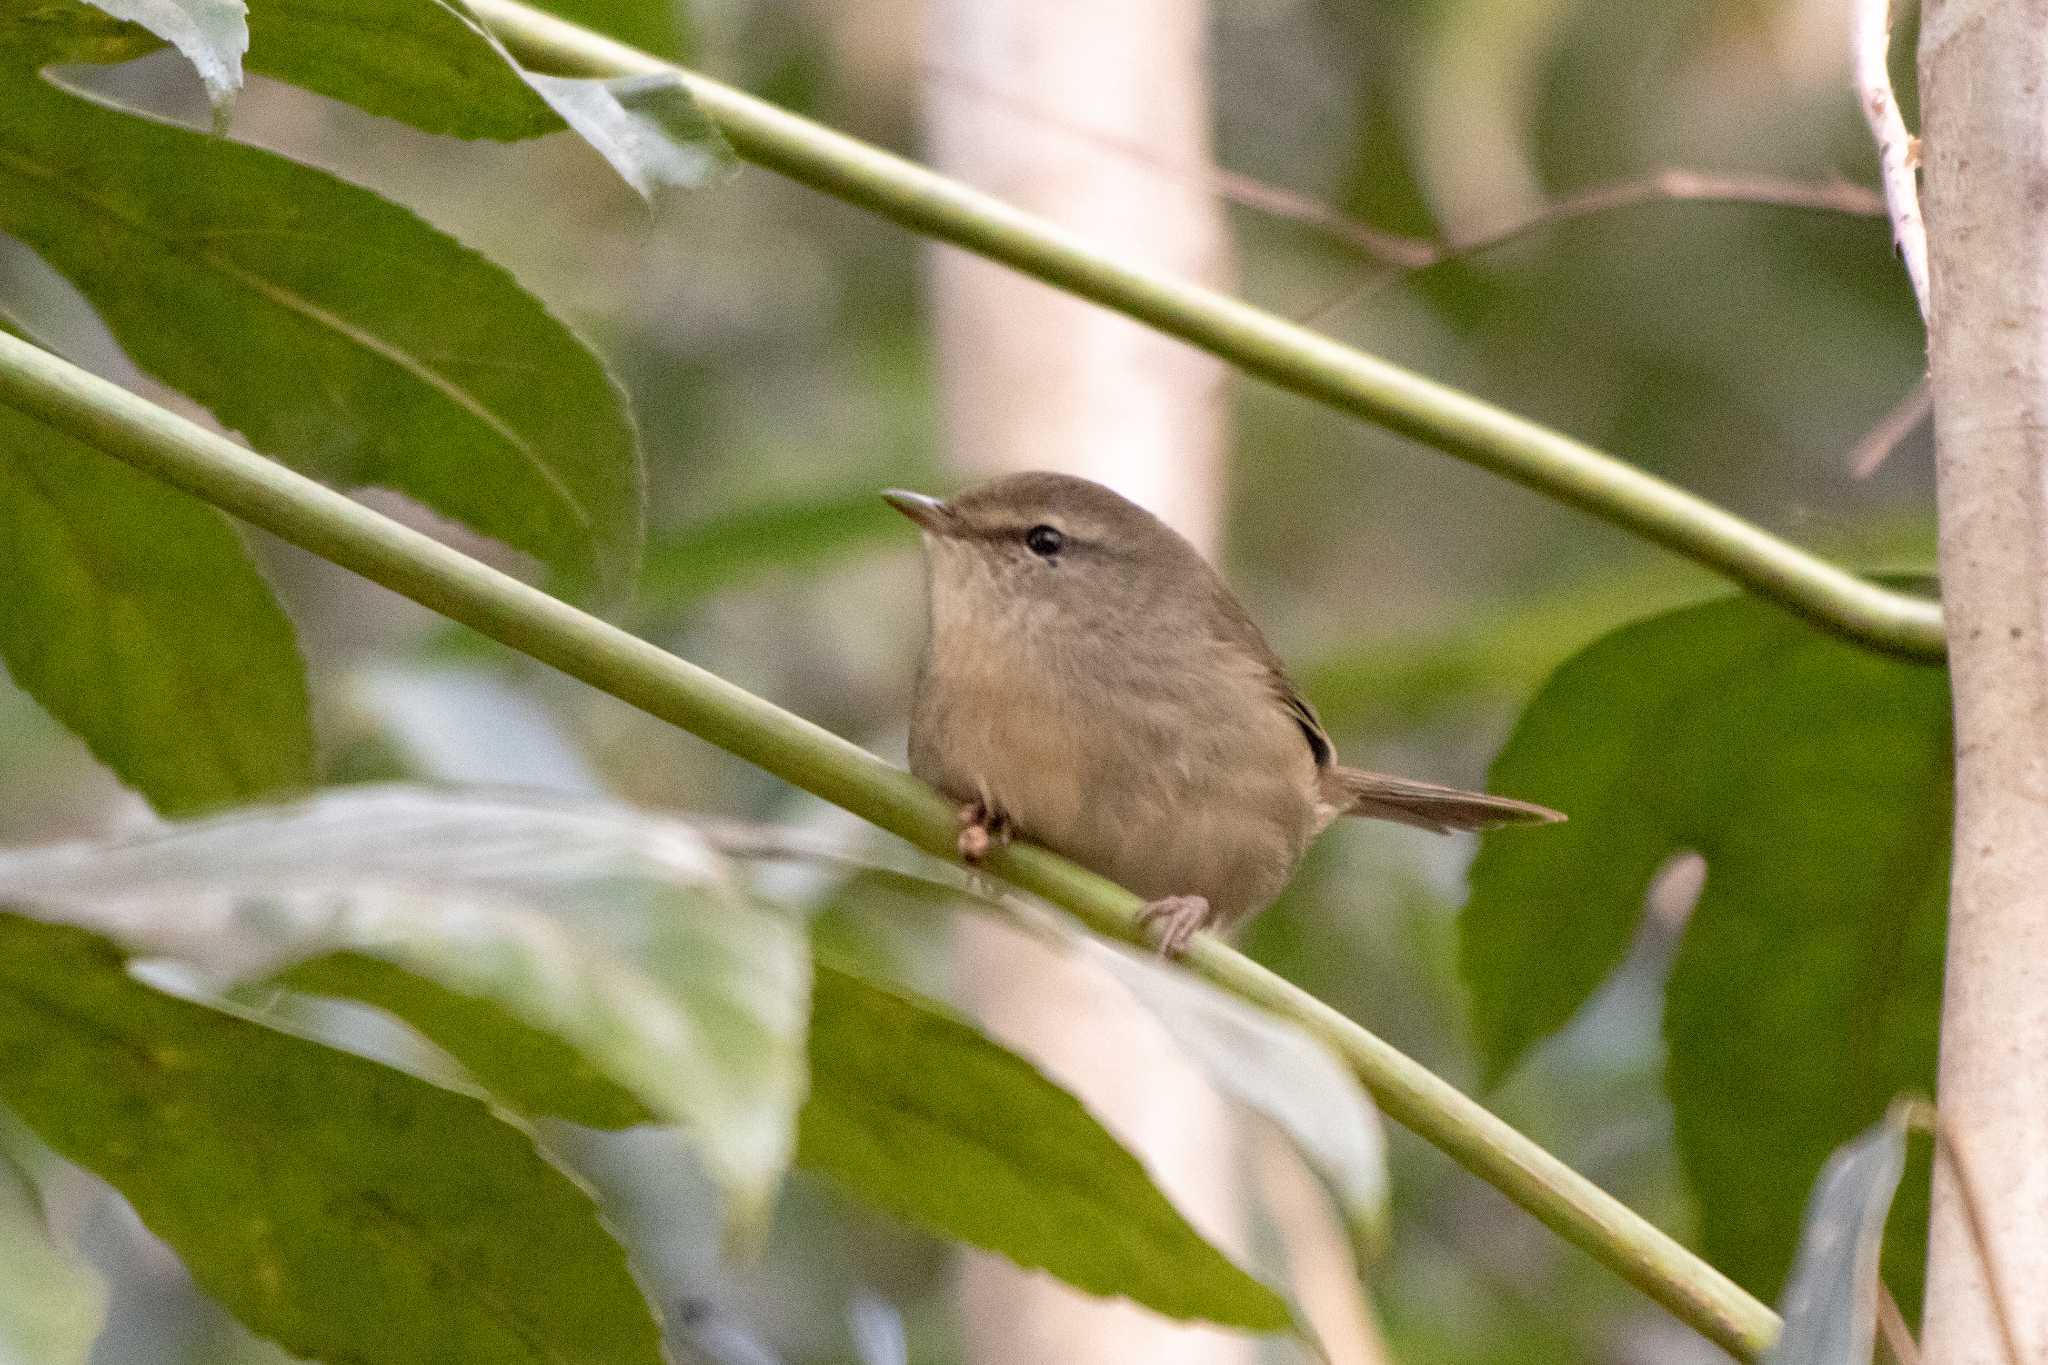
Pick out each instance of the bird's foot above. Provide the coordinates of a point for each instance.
(982, 831)
(1177, 920)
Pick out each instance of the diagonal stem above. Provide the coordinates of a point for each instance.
(1283, 353)
(316, 518)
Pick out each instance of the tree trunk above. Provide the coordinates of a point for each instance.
(1025, 99)
(1984, 96)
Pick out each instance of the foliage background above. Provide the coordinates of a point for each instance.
(776, 350)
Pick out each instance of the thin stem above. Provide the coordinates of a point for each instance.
(316, 518)
(1276, 350)
(1870, 45)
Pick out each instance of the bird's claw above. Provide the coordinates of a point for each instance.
(1177, 920)
(982, 831)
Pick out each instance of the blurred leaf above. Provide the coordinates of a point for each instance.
(654, 26)
(1814, 778)
(652, 975)
(346, 1210)
(692, 562)
(212, 35)
(52, 1303)
(1830, 1302)
(648, 127)
(1275, 1070)
(334, 329)
(917, 1113)
(131, 613)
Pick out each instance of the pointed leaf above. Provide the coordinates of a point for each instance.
(1830, 1303)
(919, 1114)
(592, 925)
(336, 330)
(343, 1209)
(1814, 779)
(52, 1303)
(212, 35)
(131, 612)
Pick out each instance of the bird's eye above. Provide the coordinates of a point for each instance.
(1044, 541)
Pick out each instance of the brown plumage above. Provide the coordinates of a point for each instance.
(1092, 684)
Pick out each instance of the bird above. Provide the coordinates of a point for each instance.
(1090, 683)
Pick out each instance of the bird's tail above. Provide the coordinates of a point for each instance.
(1426, 805)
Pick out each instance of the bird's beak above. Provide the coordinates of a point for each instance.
(930, 513)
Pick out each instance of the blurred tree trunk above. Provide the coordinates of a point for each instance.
(1984, 97)
(1023, 99)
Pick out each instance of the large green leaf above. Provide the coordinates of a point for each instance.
(344, 1209)
(1830, 1303)
(917, 1113)
(1814, 778)
(52, 1303)
(640, 981)
(131, 612)
(334, 329)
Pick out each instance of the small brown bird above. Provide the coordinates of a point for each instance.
(1091, 684)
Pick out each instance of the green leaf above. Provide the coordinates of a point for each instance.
(648, 127)
(131, 613)
(917, 1113)
(343, 1209)
(334, 329)
(1814, 778)
(631, 967)
(1830, 1302)
(52, 1303)
(418, 61)
(212, 35)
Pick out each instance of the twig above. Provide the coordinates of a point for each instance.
(1948, 1145)
(1891, 1323)
(1895, 426)
(1898, 152)
(1659, 187)
(1243, 190)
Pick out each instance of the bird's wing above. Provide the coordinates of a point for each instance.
(1235, 627)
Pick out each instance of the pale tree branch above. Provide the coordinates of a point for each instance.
(1898, 152)
(1983, 71)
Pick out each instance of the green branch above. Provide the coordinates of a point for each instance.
(316, 518)
(1280, 352)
